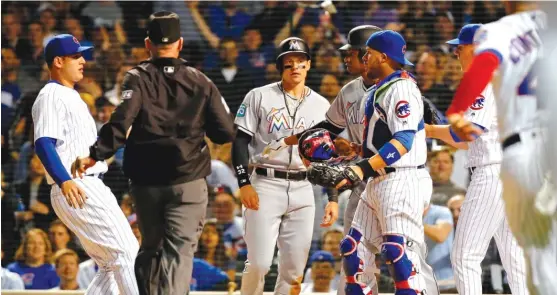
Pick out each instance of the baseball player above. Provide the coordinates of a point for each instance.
(394, 150)
(347, 112)
(506, 53)
(482, 215)
(278, 200)
(64, 129)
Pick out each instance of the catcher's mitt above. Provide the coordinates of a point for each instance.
(331, 173)
(431, 114)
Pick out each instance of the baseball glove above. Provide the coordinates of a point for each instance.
(330, 174)
(431, 114)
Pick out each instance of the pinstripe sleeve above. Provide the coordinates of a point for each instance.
(48, 116)
(482, 111)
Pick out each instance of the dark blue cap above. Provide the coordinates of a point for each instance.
(391, 43)
(466, 35)
(62, 45)
(322, 256)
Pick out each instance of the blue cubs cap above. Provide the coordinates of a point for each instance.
(466, 35)
(391, 43)
(62, 45)
(322, 256)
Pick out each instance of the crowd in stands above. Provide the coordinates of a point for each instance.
(234, 44)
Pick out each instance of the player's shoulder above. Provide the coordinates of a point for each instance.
(353, 86)
(54, 92)
(406, 86)
(316, 97)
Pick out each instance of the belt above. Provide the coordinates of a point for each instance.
(515, 138)
(392, 169)
(298, 175)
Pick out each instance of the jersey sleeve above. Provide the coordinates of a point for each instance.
(481, 112)
(49, 116)
(403, 106)
(336, 114)
(247, 117)
(492, 38)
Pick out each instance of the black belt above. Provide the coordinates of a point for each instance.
(515, 138)
(298, 175)
(392, 169)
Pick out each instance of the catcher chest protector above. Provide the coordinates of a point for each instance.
(290, 45)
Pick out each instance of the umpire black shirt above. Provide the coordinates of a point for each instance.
(170, 107)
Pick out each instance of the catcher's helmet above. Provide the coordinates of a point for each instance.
(358, 36)
(289, 45)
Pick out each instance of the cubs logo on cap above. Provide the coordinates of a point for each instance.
(402, 109)
(478, 103)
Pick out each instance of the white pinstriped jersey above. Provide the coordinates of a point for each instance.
(400, 107)
(347, 110)
(60, 113)
(515, 39)
(486, 149)
(269, 113)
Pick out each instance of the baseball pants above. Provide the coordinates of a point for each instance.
(171, 220)
(482, 217)
(105, 234)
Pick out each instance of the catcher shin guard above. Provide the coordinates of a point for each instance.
(352, 264)
(401, 267)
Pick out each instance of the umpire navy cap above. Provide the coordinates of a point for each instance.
(358, 36)
(164, 27)
(63, 45)
(466, 35)
(391, 43)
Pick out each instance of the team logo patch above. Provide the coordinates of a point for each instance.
(75, 40)
(478, 104)
(404, 49)
(294, 45)
(127, 94)
(402, 109)
(241, 111)
(168, 70)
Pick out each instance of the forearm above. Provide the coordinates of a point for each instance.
(443, 132)
(436, 232)
(45, 148)
(213, 39)
(240, 157)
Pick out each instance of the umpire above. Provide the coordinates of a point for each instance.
(170, 107)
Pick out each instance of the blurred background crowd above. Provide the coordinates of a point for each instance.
(234, 44)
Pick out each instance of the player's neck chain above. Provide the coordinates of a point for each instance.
(296, 101)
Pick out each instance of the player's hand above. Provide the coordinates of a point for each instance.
(463, 128)
(249, 197)
(331, 214)
(274, 146)
(357, 148)
(75, 196)
(358, 171)
(80, 165)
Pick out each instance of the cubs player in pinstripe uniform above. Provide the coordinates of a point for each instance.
(507, 52)
(395, 151)
(64, 130)
(482, 215)
(278, 200)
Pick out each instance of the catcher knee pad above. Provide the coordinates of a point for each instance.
(352, 264)
(402, 269)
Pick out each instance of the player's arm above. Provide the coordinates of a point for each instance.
(113, 134)
(220, 127)
(446, 134)
(388, 154)
(438, 232)
(293, 139)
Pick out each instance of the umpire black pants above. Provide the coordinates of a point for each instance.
(171, 219)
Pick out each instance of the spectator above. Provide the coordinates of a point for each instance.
(206, 277)
(255, 55)
(10, 89)
(66, 262)
(90, 83)
(73, 27)
(10, 280)
(269, 21)
(225, 210)
(454, 204)
(444, 29)
(32, 64)
(226, 21)
(12, 36)
(114, 95)
(32, 262)
(60, 235)
(322, 274)
(233, 82)
(452, 74)
(330, 243)
(103, 13)
(47, 17)
(183, 9)
(427, 70)
(439, 235)
(35, 193)
(86, 273)
(211, 245)
(10, 218)
(127, 205)
(132, 219)
(104, 109)
(441, 168)
(329, 87)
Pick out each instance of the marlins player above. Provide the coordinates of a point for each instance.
(347, 112)
(278, 200)
(506, 53)
(482, 215)
(394, 147)
(64, 130)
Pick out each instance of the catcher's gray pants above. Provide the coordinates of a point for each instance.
(171, 219)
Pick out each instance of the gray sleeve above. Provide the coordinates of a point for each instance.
(336, 114)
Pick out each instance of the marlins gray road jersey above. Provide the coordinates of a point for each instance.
(347, 111)
(269, 113)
